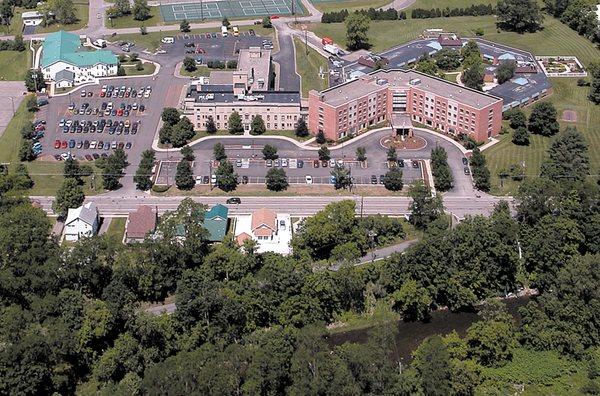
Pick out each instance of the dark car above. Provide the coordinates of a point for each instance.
(373, 179)
(89, 157)
(466, 170)
(415, 164)
(381, 179)
(128, 145)
(233, 200)
(465, 161)
(316, 163)
(324, 164)
(71, 143)
(205, 179)
(244, 179)
(401, 163)
(251, 31)
(189, 45)
(86, 144)
(96, 156)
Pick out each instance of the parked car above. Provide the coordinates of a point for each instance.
(269, 163)
(57, 144)
(466, 170)
(373, 179)
(309, 179)
(244, 179)
(233, 201)
(315, 163)
(465, 161)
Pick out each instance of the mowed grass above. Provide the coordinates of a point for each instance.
(131, 70)
(116, 228)
(428, 4)
(308, 65)
(567, 96)
(81, 10)
(14, 64)
(128, 21)
(350, 5)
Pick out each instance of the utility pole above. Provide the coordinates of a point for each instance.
(202, 10)
(306, 41)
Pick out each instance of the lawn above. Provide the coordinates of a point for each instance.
(567, 95)
(201, 71)
(14, 64)
(151, 40)
(10, 141)
(81, 10)
(116, 228)
(428, 4)
(131, 70)
(127, 21)
(290, 134)
(308, 66)
(350, 5)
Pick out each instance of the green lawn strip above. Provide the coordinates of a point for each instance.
(290, 134)
(127, 21)
(152, 40)
(116, 228)
(567, 96)
(308, 65)
(14, 64)
(201, 71)
(350, 5)
(131, 70)
(10, 141)
(81, 10)
(429, 4)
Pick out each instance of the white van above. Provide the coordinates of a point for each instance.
(100, 43)
(224, 31)
(168, 40)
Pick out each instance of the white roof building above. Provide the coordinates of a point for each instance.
(81, 222)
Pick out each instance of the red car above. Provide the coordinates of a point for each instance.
(102, 94)
(57, 144)
(274, 17)
(120, 112)
(64, 144)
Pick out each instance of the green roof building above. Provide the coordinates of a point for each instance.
(63, 51)
(215, 221)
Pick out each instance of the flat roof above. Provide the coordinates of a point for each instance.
(228, 97)
(377, 80)
(256, 63)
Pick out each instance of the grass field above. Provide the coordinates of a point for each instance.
(428, 4)
(14, 64)
(307, 66)
(81, 10)
(350, 5)
(151, 41)
(127, 21)
(201, 71)
(148, 69)
(567, 95)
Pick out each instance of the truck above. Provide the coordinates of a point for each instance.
(326, 40)
(224, 31)
(332, 49)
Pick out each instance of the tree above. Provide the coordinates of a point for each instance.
(257, 127)
(432, 362)
(219, 152)
(188, 153)
(72, 169)
(342, 178)
(392, 155)
(266, 22)
(184, 178)
(6, 12)
(424, 208)
(211, 128)
(184, 26)
(412, 301)
(112, 170)
(521, 136)
(519, 15)
(143, 174)
(516, 118)
(226, 178)
(123, 7)
(32, 105)
(170, 116)
(165, 134)
(64, 11)
(276, 179)
(505, 71)
(226, 22)
(189, 64)
(34, 80)
(301, 128)
(442, 174)
(320, 138)
(357, 29)
(26, 151)
(270, 152)
(568, 157)
(361, 154)
(69, 195)
(427, 65)
(543, 119)
(472, 77)
(393, 179)
(121, 71)
(481, 173)
(470, 53)
(447, 59)
(235, 124)
(324, 153)
(141, 11)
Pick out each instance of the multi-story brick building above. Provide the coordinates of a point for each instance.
(402, 97)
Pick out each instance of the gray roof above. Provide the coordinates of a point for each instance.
(222, 95)
(87, 213)
(65, 75)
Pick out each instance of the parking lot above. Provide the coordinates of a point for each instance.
(298, 170)
(89, 123)
(211, 46)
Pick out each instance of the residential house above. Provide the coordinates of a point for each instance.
(271, 231)
(81, 222)
(215, 221)
(140, 223)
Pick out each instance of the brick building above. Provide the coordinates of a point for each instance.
(401, 97)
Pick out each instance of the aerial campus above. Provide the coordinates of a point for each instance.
(299, 197)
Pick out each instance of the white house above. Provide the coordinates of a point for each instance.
(271, 231)
(66, 63)
(32, 18)
(81, 222)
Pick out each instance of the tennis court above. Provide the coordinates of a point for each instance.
(227, 8)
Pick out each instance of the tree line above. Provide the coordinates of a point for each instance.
(472, 10)
(391, 14)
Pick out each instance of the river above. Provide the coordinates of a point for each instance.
(411, 334)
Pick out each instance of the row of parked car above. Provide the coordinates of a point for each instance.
(98, 126)
(91, 145)
(106, 109)
(110, 91)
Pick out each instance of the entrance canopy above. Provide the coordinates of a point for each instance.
(401, 124)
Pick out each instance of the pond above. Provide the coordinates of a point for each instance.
(411, 334)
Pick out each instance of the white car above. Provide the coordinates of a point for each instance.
(309, 179)
(284, 162)
(93, 144)
(168, 40)
(198, 180)
(332, 163)
(213, 179)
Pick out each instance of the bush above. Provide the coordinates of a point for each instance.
(160, 189)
